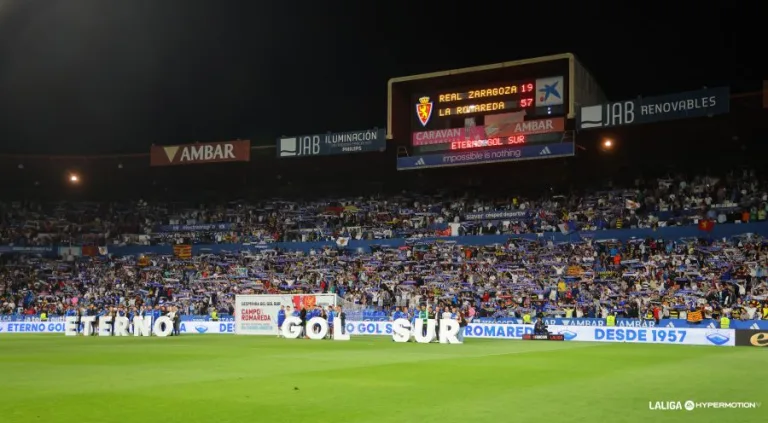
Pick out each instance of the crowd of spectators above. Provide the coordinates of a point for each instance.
(739, 196)
(645, 278)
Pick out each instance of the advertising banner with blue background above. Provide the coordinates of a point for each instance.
(55, 319)
(191, 327)
(642, 335)
(497, 215)
(663, 323)
(496, 155)
(44, 250)
(368, 140)
(550, 321)
(691, 104)
(200, 227)
(668, 233)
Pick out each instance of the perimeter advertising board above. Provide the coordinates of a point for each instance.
(257, 314)
(640, 335)
(711, 337)
(752, 338)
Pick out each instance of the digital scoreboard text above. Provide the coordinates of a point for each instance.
(432, 108)
(498, 130)
(491, 115)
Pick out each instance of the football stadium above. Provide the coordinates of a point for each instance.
(516, 240)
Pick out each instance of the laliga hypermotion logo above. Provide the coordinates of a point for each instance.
(424, 110)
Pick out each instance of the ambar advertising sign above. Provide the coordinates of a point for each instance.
(752, 338)
(214, 152)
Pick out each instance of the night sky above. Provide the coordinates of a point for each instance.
(115, 76)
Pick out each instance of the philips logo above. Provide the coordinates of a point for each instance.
(201, 329)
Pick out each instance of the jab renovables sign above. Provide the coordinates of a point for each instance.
(162, 327)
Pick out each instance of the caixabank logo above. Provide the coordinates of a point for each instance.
(751, 338)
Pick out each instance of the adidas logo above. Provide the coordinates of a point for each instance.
(670, 325)
(754, 326)
(419, 162)
(711, 326)
(545, 151)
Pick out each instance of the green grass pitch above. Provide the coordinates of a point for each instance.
(215, 378)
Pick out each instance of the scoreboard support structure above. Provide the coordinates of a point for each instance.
(490, 113)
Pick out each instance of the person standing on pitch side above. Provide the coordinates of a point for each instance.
(343, 318)
(331, 315)
(177, 321)
(303, 317)
(280, 320)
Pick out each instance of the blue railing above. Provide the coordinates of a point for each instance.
(670, 233)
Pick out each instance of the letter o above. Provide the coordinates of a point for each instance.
(163, 326)
(317, 321)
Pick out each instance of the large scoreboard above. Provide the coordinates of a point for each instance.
(505, 112)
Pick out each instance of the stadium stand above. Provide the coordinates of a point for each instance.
(649, 204)
(642, 278)
(506, 277)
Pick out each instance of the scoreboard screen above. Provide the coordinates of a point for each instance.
(518, 107)
(488, 115)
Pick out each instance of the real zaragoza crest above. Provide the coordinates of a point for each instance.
(424, 110)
